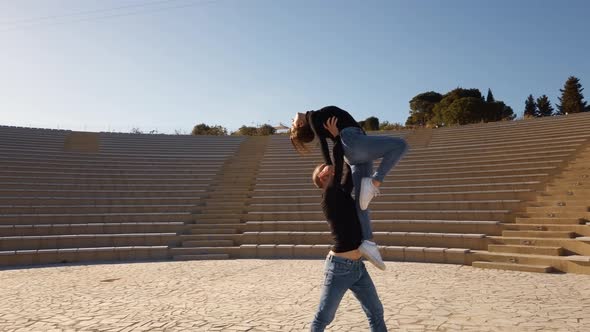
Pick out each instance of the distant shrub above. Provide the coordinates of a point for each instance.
(203, 129)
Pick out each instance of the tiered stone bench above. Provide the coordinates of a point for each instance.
(508, 195)
(458, 193)
(119, 197)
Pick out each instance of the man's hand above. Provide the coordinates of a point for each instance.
(330, 126)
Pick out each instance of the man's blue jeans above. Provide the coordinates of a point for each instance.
(359, 152)
(340, 275)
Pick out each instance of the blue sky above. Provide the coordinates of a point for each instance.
(236, 62)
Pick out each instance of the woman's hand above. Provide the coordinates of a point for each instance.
(329, 169)
(330, 126)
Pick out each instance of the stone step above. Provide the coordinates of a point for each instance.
(97, 228)
(213, 231)
(314, 197)
(78, 209)
(555, 208)
(387, 189)
(99, 201)
(554, 221)
(102, 187)
(550, 156)
(304, 172)
(556, 214)
(388, 225)
(200, 257)
(85, 254)
(447, 240)
(539, 234)
(202, 227)
(577, 229)
(86, 240)
(565, 202)
(100, 193)
(389, 253)
(208, 243)
(570, 246)
(499, 215)
(392, 205)
(94, 218)
(513, 267)
(522, 249)
(302, 181)
(121, 179)
(215, 221)
(232, 251)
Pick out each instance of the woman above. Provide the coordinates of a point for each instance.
(344, 268)
(359, 152)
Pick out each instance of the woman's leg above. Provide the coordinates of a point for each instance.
(359, 171)
(337, 280)
(364, 290)
(360, 148)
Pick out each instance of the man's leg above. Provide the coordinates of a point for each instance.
(364, 290)
(337, 280)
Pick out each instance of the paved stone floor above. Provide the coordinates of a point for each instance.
(282, 295)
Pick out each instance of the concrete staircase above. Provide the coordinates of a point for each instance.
(218, 225)
(553, 233)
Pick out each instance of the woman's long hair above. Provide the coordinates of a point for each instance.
(300, 136)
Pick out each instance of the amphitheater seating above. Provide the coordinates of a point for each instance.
(131, 199)
(508, 195)
(461, 191)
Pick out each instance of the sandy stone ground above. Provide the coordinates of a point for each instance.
(282, 295)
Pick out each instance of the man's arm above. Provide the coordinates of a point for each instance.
(348, 185)
(325, 150)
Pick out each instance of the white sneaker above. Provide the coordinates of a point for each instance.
(368, 192)
(371, 252)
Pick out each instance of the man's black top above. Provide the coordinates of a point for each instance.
(339, 207)
(318, 118)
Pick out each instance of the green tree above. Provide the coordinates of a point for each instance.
(385, 125)
(265, 130)
(530, 107)
(572, 99)
(421, 107)
(544, 106)
(463, 111)
(203, 129)
(371, 123)
(490, 97)
(496, 111)
(441, 110)
(246, 131)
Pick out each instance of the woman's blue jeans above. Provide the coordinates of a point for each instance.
(340, 275)
(359, 152)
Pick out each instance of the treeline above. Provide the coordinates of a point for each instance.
(263, 130)
(463, 106)
(456, 107)
(571, 101)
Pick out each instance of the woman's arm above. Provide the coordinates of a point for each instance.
(337, 151)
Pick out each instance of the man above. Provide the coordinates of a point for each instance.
(344, 268)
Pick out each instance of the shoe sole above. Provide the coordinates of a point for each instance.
(378, 263)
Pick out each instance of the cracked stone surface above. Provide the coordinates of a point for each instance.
(282, 295)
